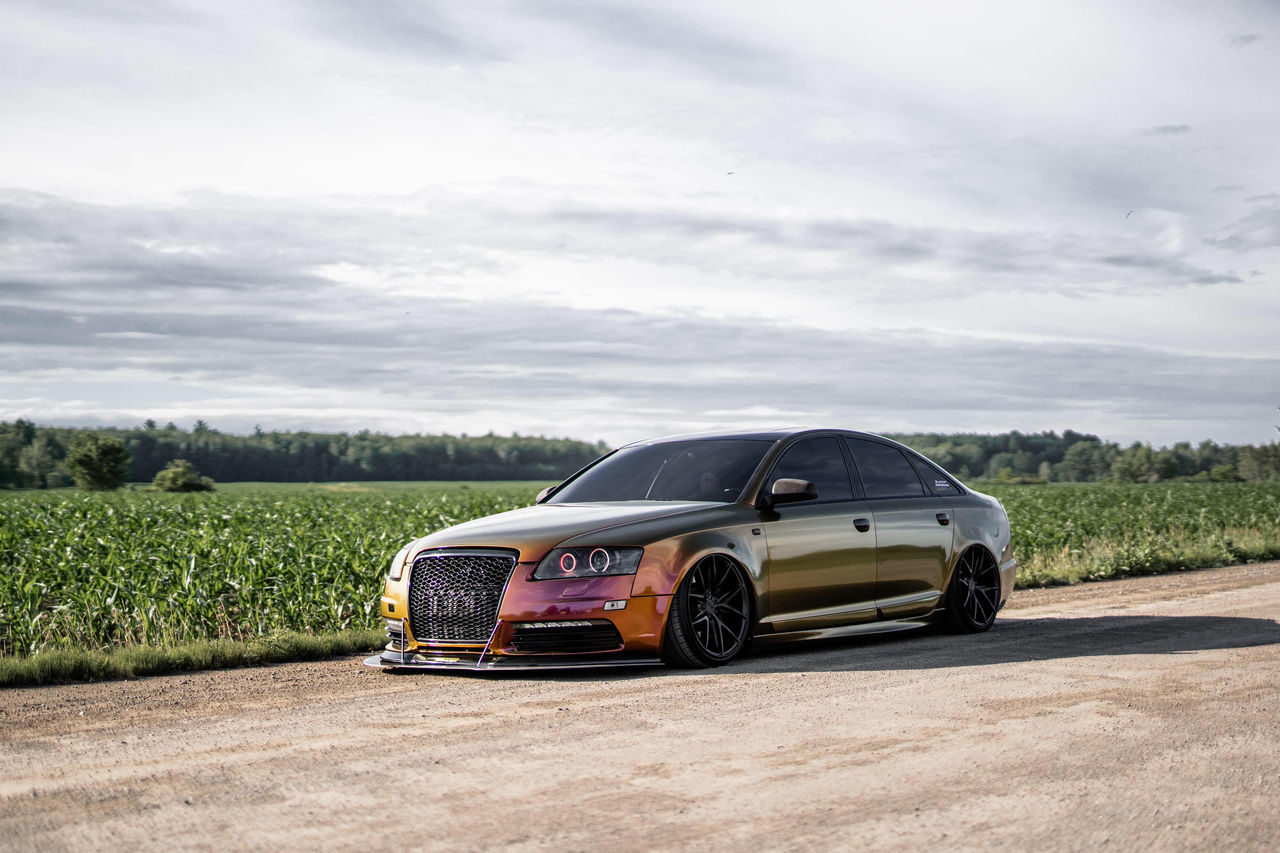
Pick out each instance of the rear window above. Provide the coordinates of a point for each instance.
(885, 472)
(938, 482)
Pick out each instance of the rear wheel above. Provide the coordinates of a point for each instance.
(710, 619)
(973, 597)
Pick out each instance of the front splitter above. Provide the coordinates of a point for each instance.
(491, 663)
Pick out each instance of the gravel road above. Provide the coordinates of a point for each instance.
(1137, 714)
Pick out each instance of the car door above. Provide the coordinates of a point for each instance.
(913, 530)
(822, 557)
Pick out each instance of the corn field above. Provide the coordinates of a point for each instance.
(1069, 532)
(96, 571)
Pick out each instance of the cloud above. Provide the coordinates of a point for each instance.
(382, 177)
(227, 295)
(417, 30)
(629, 35)
(313, 256)
(651, 34)
(586, 371)
(132, 14)
(1174, 269)
(1259, 229)
(793, 248)
(1241, 39)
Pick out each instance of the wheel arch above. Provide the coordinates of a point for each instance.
(957, 554)
(665, 564)
(753, 592)
(724, 632)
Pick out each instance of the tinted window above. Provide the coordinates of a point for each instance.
(939, 483)
(819, 461)
(885, 472)
(712, 470)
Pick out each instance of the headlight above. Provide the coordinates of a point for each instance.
(397, 564)
(588, 563)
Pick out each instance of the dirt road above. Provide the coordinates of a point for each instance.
(1141, 713)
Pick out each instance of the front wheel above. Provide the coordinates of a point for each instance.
(710, 619)
(973, 596)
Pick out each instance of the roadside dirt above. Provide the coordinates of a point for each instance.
(1137, 714)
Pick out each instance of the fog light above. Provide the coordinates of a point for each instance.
(618, 604)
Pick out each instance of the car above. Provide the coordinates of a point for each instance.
(684, 550)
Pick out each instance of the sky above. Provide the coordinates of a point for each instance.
(615, 220)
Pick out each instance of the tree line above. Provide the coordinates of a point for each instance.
(34, 456)
(38, 457)
(1082, 458)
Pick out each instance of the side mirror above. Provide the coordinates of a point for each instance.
(544, 494)
(788, 490)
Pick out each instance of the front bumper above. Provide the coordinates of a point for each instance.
(605, 601)
(395, 660)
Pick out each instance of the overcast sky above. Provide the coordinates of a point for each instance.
(613, 220)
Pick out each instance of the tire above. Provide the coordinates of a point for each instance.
(973, 595)
(710, 619)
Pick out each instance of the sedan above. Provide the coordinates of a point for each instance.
(685, 550)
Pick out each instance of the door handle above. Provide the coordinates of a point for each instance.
(943, 519)
(862, 524)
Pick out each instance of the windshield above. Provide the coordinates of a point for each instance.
(709, 470)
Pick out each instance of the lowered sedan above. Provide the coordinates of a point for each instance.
(684, 550)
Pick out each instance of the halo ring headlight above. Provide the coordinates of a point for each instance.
(589, 562)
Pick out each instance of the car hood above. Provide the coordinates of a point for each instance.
(535, 530)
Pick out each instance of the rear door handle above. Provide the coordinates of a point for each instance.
(863, 524)
(943, 519)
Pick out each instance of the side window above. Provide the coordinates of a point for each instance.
(819, 461)
(885, 472)
(940, 484)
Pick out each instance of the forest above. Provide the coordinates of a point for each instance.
(1074, 457)
(33, 456)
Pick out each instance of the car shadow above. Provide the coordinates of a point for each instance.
(1010, 641)
(1018, 641)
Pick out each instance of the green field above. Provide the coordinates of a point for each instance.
(81, 571)
(94, 571)
(1070, 532)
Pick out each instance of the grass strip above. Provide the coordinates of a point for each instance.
(58, 666)
(1101, 560)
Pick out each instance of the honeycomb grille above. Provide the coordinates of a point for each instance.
(454, 597)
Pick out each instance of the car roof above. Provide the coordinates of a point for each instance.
(764, 434)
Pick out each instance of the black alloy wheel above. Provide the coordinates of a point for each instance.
(974, 594)
(710, 619)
